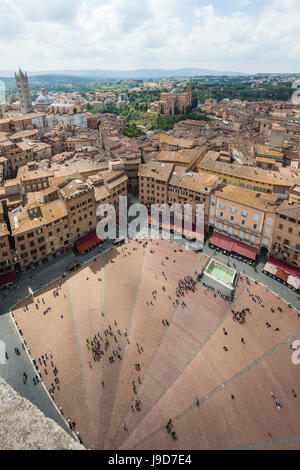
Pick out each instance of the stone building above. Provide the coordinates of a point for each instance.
(79, 200)
(173, 103)
(6, 262)
(40, 231)
(165, 183)
(43, 101)
(25, 427)
(243, 220)
(23, 92)
(286, 236)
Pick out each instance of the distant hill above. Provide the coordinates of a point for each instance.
(148, 73)
(38, 81)
(126, 74)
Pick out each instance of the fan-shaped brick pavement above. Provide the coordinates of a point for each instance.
(121, 355)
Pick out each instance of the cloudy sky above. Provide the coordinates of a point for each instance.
(235, 35)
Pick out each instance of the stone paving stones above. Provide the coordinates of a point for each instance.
(222, 422)
(213, 366)
(189, 329)
(121, 279)
(146, 328)
(126, 297)
(54, 333)
(86, 301)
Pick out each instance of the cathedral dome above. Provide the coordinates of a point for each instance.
(44, 98)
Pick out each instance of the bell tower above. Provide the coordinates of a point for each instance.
(23, 92)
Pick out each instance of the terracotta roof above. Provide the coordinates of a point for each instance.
(193, 181)
(101, 192)
(3, 229)
(261, 201)
(290, 210)
(74, 188)
(116, 182)
(264, 150)
(50, 212)
(171, 140)
(180, 156)
(35, 174)
(158, 171)
(287, 178)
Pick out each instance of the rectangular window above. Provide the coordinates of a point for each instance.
(270, 221)
(233, 210)
(244, 214)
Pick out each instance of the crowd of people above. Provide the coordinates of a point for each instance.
(216, 292)
(185, 285)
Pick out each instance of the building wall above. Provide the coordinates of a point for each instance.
(155, 191)
(286, 240)
(35, 184)
(6, 262)
(23, 92)
(239, 221)
(248, 184)
(39, 245)
(81, 214)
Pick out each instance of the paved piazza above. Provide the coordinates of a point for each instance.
(156, 353)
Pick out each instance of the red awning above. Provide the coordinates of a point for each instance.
(244, 250)
(283, 275)
(87, 242)
(6, 279)
(222, 241)
(285, 267)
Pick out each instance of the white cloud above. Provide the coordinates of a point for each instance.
(126, 34)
